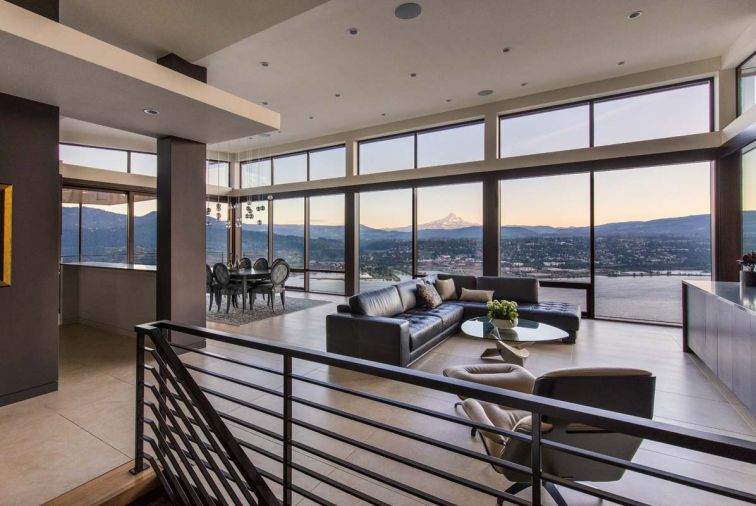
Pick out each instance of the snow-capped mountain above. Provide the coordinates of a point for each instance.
(450, 222)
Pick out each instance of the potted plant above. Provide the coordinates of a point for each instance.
(747, 265)
(502, 313)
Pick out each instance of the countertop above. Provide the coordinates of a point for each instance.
(729, 291)
(110, 265)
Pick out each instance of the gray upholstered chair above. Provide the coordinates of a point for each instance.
(260, 263)
(245, 263)
(212, 288)
(227, 286)
(628, 391)
(279, 273)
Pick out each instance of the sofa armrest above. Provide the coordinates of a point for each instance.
(343, 308)
(375, 338)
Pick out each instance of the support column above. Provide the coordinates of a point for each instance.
(726, 217)
(491, 227)
(181, 234)
(351, 242)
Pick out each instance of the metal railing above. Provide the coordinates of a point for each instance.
(198, 460)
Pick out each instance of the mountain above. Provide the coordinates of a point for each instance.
(449, 222)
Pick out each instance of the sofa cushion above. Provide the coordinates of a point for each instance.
(476, 295)
(520, 290)
(559, 314)
(381, 302)
(408, 294)
(461, 281)
(422, 328)
(428, 295)
(471, 309)
(446, 289)
(449, 313)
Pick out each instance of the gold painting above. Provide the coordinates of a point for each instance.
(6, 208)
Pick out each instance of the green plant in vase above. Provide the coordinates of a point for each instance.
(748, 269)
(502, 313)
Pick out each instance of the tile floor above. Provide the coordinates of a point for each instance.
(57, 441)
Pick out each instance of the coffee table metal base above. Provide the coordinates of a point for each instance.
(506, 353)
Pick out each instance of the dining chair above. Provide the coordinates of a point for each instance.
(279, 273)
(245, 263)
(227, 287)
(212, 287)
(261, 264)
(276, 261)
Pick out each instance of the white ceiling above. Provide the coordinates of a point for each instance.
(455, 47)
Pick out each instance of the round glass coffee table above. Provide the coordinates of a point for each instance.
(510, 344)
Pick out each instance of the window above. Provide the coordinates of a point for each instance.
(218, 173)
(450, 230)
(104, 226)
(385, 155)
(749, 201)
(545, 131)
(653, 115)
(326, 244)
(328, 163)
(290, 168)
(143, 163)
(449, 145)
(216, 242)
(97, 158)
(385, 238)
(145, 229)
(747, 84)
(288, 234)
(652, 229)
(255, 229)
(69, 234)
(255, 173)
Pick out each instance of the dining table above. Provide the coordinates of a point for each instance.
(247, 274)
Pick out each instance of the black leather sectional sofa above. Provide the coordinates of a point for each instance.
(391, 325)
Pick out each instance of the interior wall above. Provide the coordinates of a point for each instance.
(29, 307)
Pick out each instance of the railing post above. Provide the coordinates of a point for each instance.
(535, 458)
(287, 431)
(139, 464)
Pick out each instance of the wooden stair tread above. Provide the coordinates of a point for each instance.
(115, 488)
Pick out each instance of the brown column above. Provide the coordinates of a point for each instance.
(29, 306)
(491, 226)
(181, 234)
(351, 242)
(726, 217)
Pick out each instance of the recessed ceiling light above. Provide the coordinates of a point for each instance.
(312, 117)
(635, 15)
(621, 62)
(264, 135)
(484, 93)
(410, 10)
(383, 114)
(337, 95)
(448, 100)
(264, 64)
(524, 84)
(506, 49)
(414, 74)
(353, 31)
(151, 112)
(265, 103)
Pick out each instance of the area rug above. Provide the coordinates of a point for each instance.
(236, 317)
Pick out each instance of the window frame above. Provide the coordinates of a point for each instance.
(127, 151)
(738, 70)
(273, 157)
(209, 161)
(608, 98)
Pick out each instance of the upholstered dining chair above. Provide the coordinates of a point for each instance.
(276, 261)
(211, 288)
(260, 263)
(627, 391)
(227, 286)
(279, 273)
(245, 263)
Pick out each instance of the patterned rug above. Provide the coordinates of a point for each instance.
(262, 311)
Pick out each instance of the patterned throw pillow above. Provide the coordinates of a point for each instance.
(429, 295)
(446, 289)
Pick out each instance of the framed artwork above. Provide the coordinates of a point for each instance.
(6, 210)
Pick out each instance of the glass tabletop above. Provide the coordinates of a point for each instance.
(526, 331)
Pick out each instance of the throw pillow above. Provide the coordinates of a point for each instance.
(476, 295)
(429, 295)
(446, 289)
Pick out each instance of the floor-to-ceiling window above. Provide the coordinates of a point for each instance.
(545, 232)
(749, 201)
(104, 226)
(652, 230)
(216, 240)
(449, 229)
(145, 229)
(254, 228)
(288, 236)
(326, 225)
(69, 233)
(385, 238)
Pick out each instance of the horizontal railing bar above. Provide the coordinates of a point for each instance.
(231, 379)
(335, 484)
(161, 478)
(309, 495)
(243, 423)
(595, 492)
(228, 359)
(417, 409)
(715, 444)
(242, 402)
(403, 460)
(650, 471)
(372, 474)
(414, 436)
(176, 485)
